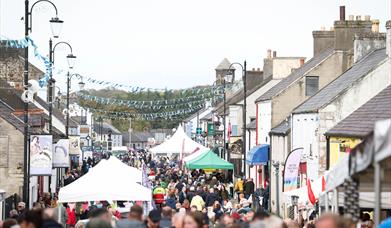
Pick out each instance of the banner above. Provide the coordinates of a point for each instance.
(74, 145)
(41, 155)
(61, 154)
(291, 169)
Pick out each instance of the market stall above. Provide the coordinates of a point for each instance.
(209, 160)
(179, 144)
(108, 180)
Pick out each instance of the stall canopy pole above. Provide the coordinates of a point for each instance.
(377, 193)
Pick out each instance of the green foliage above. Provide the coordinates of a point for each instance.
(138, 125)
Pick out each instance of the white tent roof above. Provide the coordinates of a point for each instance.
(179, 143)
(337, 174)
(108, 180)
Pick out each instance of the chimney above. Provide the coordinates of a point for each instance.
(274, 54)
(322, 40)
(345, 32)
(364, 43)
(301, 62)
(253, 69)
(388, 39)
(269, 53)
(342, 13)
(375, 26)
(258, 69)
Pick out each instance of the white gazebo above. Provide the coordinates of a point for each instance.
(179, 143)
(108, 180)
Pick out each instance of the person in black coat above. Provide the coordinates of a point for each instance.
(248, 188)
(211, 198)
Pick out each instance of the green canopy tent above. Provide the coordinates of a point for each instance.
(209, 160)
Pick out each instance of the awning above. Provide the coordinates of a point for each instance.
(258, 155)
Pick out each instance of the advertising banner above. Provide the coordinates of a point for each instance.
(291, 170)
(41, 155)
(61, 154)
(74, 145)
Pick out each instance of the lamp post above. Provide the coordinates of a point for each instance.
(228, 76)
(81, 87)
(71, 62)
(244, 77)
(277, 173)
(56, 25)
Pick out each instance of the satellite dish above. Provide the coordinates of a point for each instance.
(33, 86)
(27, 96)
(65, 111)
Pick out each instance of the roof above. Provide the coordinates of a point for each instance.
(224, 65)
(207, 117)
(252, 125)
(6, 112)
(56, 112)
(341, 83)
(283, 128)
(105, 128)
(137, 136)
(361, 122)
(295, 75)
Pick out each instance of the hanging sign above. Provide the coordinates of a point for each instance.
(74, 145)
(61, 154)
(41, 155)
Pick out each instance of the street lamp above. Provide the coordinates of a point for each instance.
(71, 62)
(56, 25)
(227, 77)
(81, 87)
(244, 73)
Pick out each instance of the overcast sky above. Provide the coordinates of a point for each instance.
(178, 43)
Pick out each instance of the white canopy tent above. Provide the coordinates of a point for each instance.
(179, 143)
(108, 180)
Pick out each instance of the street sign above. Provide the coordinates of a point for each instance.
(211, 129)
(199, 131)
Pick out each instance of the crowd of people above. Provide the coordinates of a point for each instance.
(180, 199)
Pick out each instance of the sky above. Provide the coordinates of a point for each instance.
(177, 43)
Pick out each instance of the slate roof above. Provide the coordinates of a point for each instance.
(342, 83)
(295, 75)
(56, 112)
(252, 125)
(6, 113)
(105, 128)
(137, 137)
(283, 128)
(361, 122)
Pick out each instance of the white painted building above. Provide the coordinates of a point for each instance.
(333, 103)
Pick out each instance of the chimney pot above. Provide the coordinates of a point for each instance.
(301, 62)
(258, 69)
(358, 18)
(269, 54)
(351, 17)
(274, 54)
(253, 69)
(375, 26)
(367, 17)
(322, 28)
(342, 13)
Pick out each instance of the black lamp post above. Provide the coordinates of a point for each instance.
(81, 87)
(56, 25)
(244, 73)
(71, 62)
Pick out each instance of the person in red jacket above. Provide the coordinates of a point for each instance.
(71, 222)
